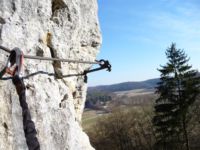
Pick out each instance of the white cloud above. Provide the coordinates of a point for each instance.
(182, 25)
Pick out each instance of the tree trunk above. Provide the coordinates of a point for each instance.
(185, 134)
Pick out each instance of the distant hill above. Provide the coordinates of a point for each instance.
(126, 86)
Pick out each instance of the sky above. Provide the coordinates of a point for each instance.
(136, 34)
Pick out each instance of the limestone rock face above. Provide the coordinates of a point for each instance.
(50, 28)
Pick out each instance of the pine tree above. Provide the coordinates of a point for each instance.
(178, 89)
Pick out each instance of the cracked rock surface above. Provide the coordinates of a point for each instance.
(49, 28)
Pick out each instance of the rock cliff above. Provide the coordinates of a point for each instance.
(50, 28)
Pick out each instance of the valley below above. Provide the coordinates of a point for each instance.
(103, 100)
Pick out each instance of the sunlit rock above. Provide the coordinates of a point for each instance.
(50, 28)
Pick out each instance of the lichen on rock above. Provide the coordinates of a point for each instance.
(56, 105)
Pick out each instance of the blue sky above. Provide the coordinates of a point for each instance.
(136, 34)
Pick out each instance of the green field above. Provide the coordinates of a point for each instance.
(90, 117)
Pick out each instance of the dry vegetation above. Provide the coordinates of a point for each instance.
(129, 124)
(124, 129)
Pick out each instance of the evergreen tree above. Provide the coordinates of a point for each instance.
(178, 89)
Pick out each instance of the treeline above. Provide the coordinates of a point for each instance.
(98, 98)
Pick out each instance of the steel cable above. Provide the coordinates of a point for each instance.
(52, 59)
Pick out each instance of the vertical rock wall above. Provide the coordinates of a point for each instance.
(50, 28)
